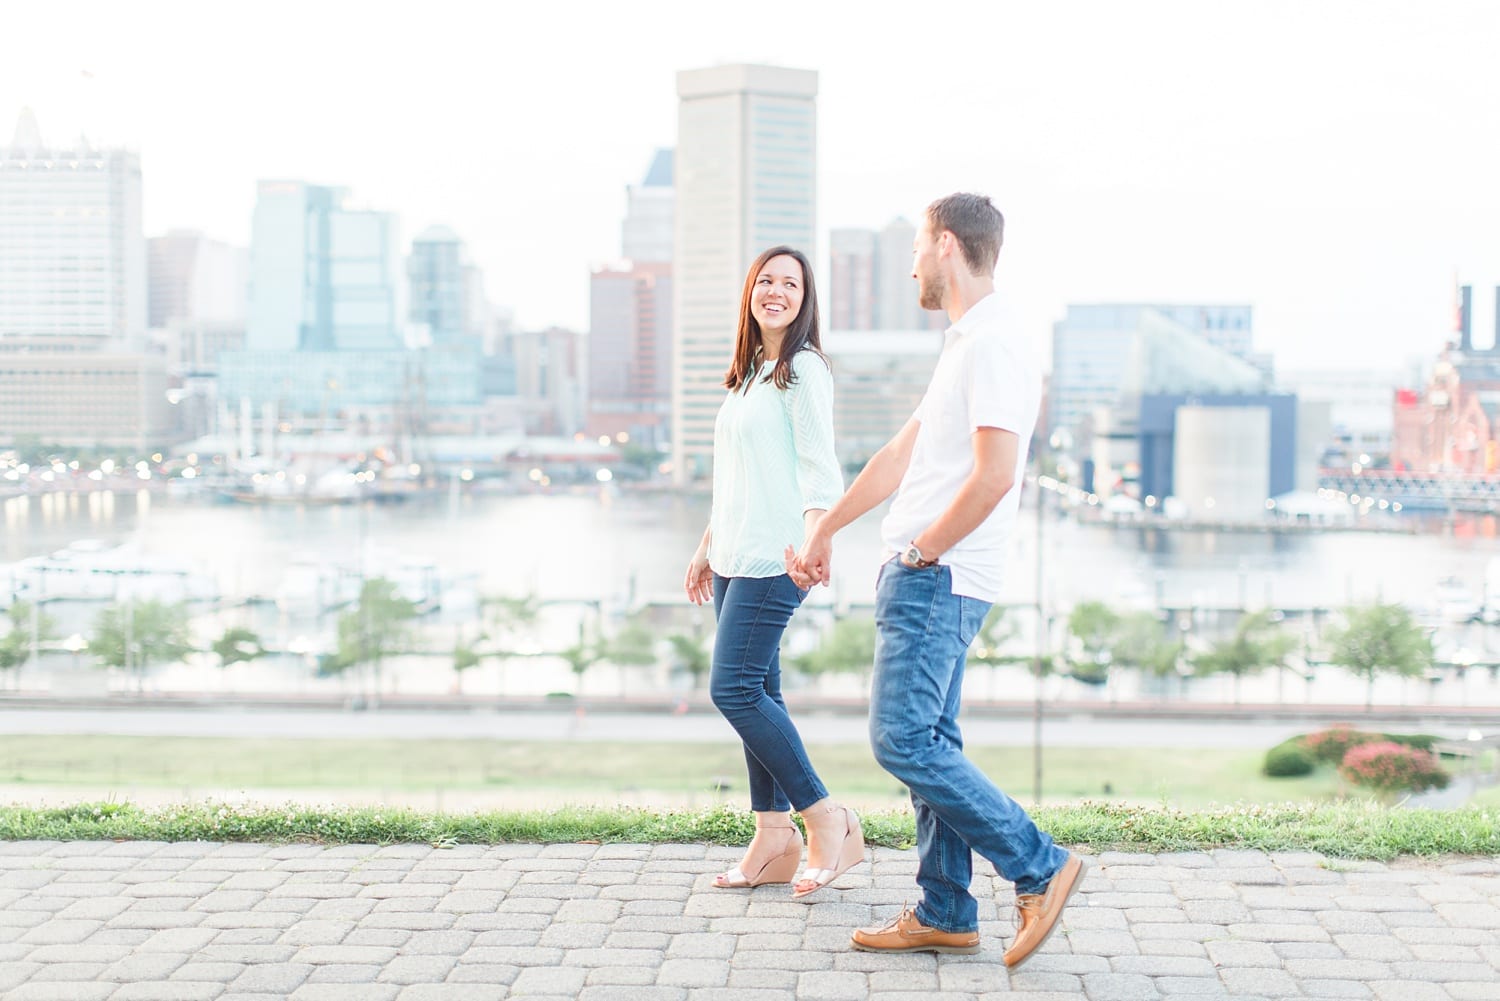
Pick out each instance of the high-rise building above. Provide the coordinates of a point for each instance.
(630, 351)
(323, 277)
(196, 279)
(745, 176)
(548, 380)
(896, 304)
(851, 279)
(647, 232)
(72, 251)
(871, 283)
(447, 289)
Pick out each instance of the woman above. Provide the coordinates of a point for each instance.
(774, 476)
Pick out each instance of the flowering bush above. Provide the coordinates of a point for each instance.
(1333, 744)
(1388, 767)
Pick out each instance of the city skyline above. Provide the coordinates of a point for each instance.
(1139, 155)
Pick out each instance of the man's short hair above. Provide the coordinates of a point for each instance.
(978, 225)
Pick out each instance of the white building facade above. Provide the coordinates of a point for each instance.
(745, 175)
(72, 251)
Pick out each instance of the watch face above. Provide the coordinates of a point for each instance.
(913, 556)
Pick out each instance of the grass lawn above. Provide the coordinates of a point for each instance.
(1186, 778)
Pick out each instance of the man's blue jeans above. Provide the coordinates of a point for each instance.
(923, 633)
(746, 687)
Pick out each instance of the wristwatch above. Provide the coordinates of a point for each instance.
(913, 557)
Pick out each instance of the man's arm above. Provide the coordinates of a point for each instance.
(993, 476)
(877, 481)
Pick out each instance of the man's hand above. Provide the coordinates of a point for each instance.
(816, 558)
(794, 570)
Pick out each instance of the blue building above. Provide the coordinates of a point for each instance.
(1105, 355)
(323, 277)
(327, 321)
(1157, 435)
(447, 292)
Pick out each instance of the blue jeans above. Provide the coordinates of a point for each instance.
(923, 631)
(746, 688)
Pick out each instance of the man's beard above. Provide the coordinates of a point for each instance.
(930, 289)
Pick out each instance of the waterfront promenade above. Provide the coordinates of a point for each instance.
(139, 921)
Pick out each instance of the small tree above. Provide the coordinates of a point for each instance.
(1378, 639)
(374, 630)
(238, 645)
(28, 626)
(464, 657)
(581, 656)
(1093, 626)
(136, 635)
(1257, 644)
(633, 646)
(1142, 642)
(509, 621)
(847, 648)
(692, 654)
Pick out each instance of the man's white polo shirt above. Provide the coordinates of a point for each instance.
(987, 376)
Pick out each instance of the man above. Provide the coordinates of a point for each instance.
(958, 464)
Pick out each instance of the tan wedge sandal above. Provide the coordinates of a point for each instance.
(776, 868)
(850, 853)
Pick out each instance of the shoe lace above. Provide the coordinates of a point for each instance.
(896, 921)
(1028, 905)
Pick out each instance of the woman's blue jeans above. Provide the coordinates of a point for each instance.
(923, 632)
(746, 688)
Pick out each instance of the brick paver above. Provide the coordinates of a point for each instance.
(408, 922)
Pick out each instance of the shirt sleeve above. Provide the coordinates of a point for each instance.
(1004, 387)
(809, 406)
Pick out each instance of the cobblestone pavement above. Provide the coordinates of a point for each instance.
(138, 921)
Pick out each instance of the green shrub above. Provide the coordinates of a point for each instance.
(1421, 741)
(1288, 759)
(1333, 744)
(1388, 767)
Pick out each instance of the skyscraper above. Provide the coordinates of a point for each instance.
(871, 287)
(323, 277)
(328, 317)
(647, 233)
(745, 175)
(72, 252)
(630, 350)
(196, 279)
(73, 369)
(851, 279)
(447, 289)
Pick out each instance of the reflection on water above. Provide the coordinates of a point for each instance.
(595, 553)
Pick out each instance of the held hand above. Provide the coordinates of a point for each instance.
(794, 570)
(816, 559)
(699, 581)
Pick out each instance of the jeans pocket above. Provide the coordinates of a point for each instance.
(971, 615)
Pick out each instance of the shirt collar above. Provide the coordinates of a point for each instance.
(975, 318)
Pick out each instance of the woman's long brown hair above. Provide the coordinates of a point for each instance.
(802, 333)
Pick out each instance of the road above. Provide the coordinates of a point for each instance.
(817, 728)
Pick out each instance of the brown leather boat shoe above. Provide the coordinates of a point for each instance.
(905, 933)
(1039, 912)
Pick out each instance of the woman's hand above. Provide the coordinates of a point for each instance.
(699, 581)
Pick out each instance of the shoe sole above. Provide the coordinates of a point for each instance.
(951, 950)
(1083, 869)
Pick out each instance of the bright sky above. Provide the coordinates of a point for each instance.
(1335, 164)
